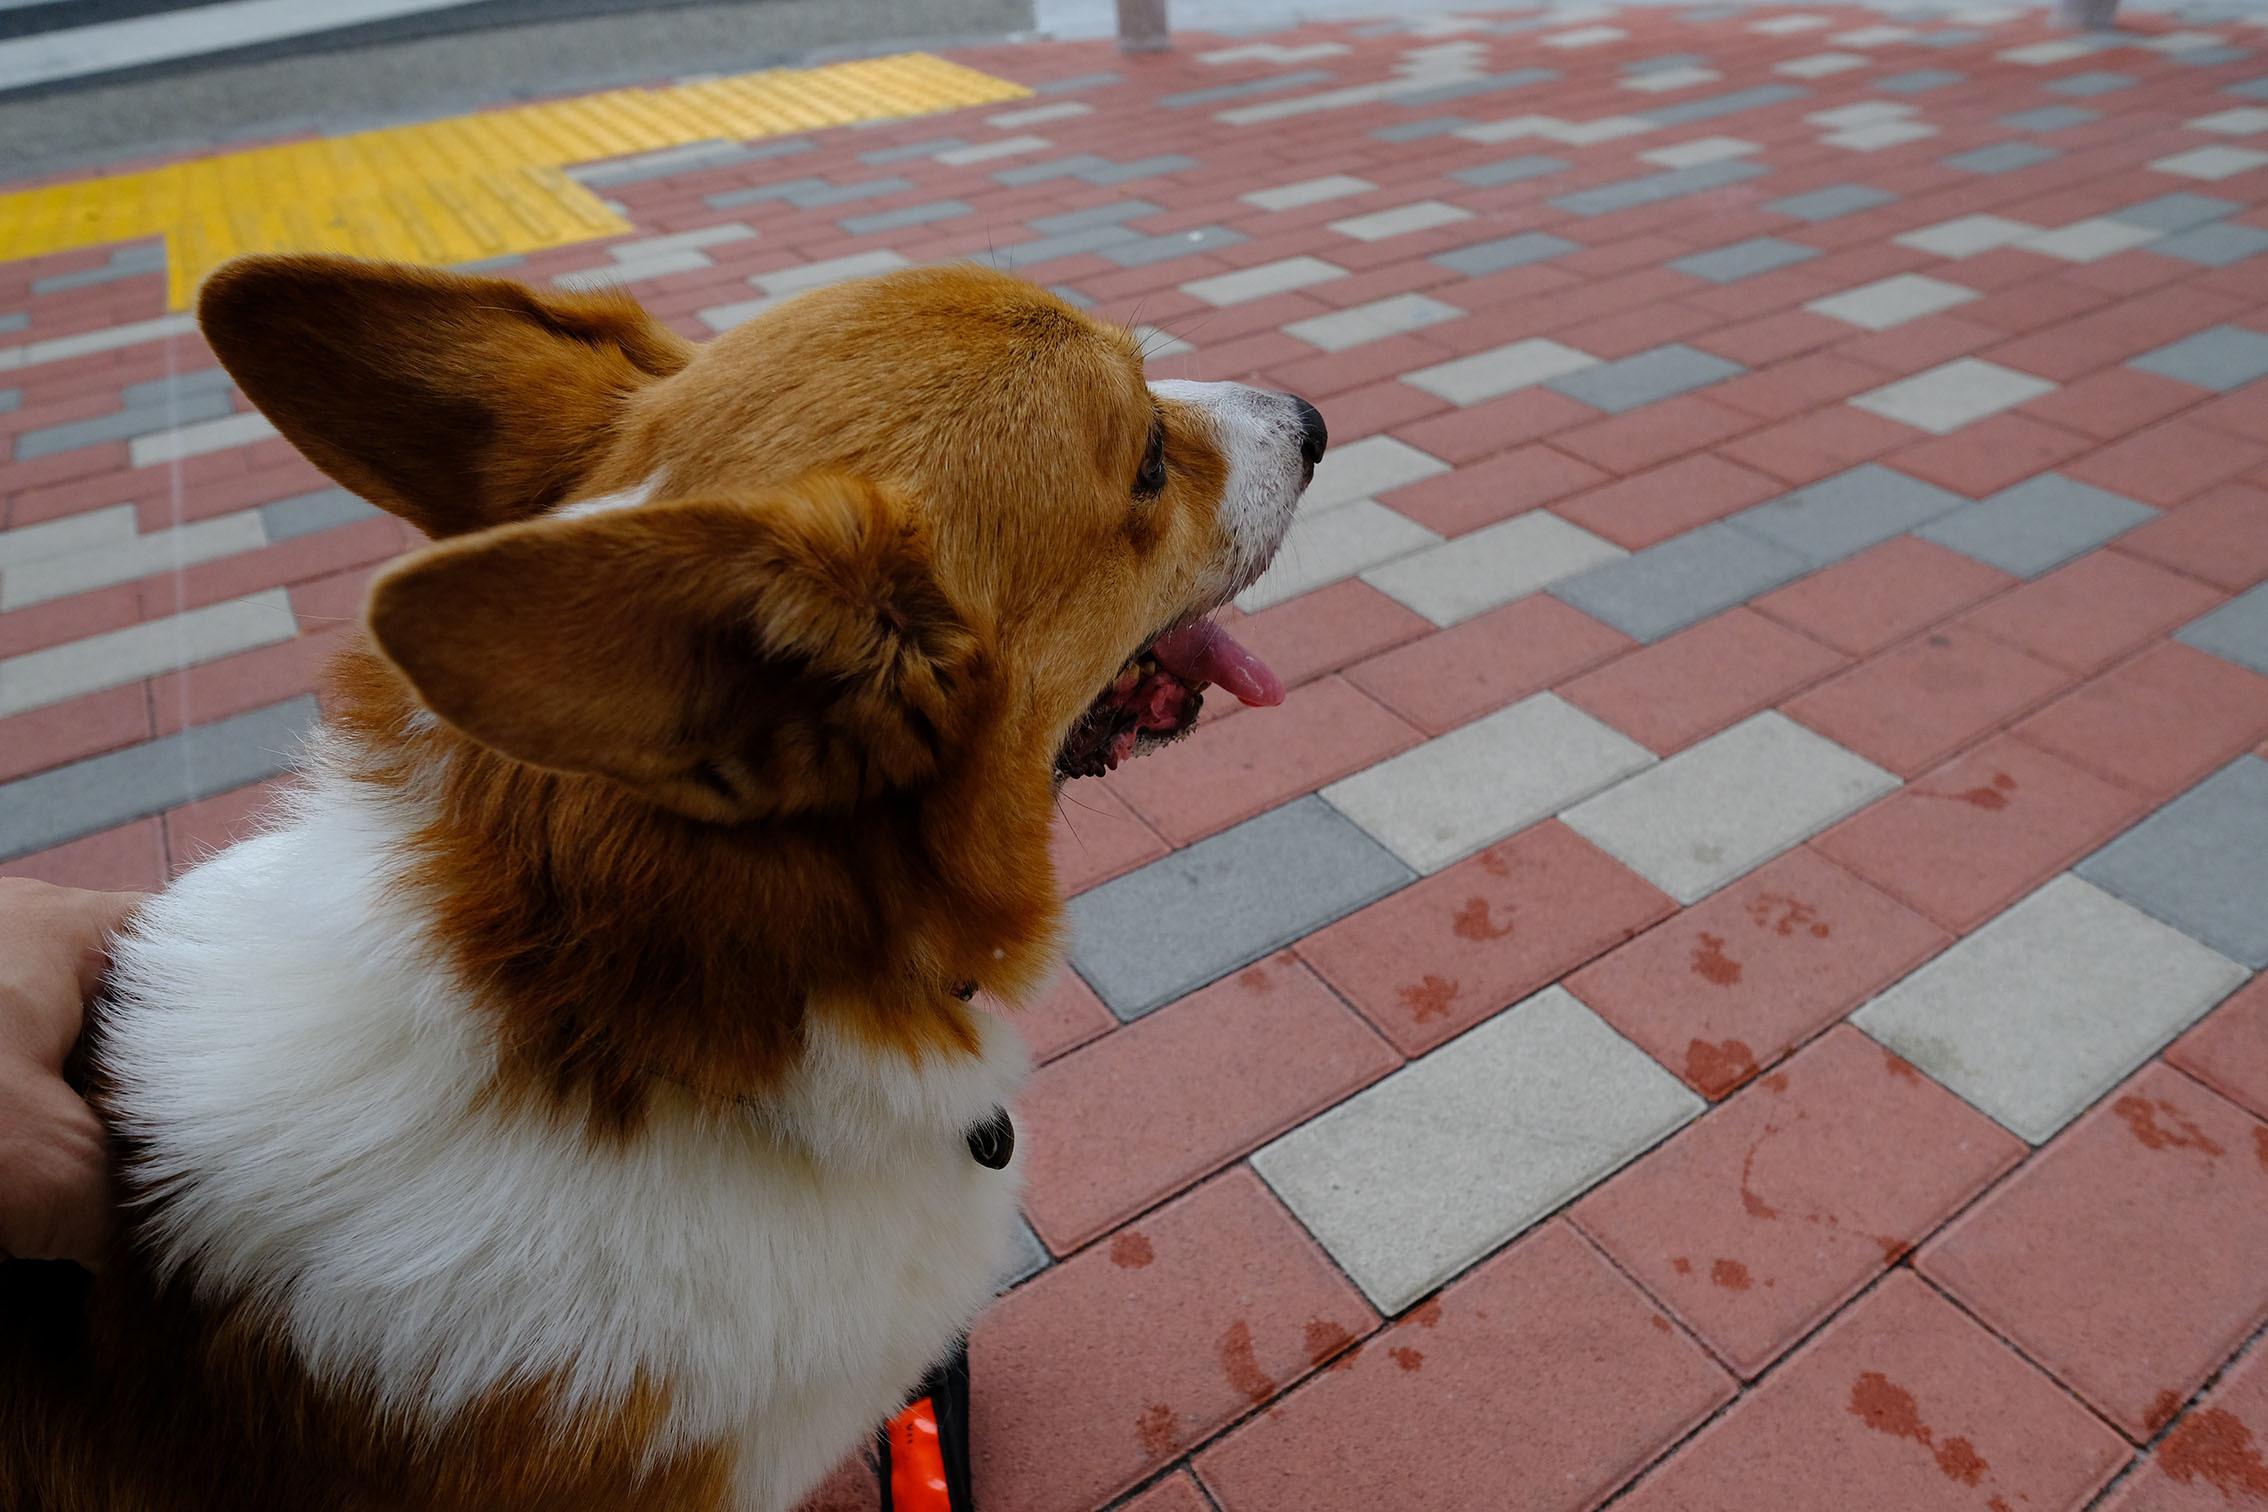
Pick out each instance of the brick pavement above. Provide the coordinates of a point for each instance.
(1730, 980)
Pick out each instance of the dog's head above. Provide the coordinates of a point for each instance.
(824, 557)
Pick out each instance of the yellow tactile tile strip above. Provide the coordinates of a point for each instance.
(468, 187)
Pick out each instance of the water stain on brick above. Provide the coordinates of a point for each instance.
(1252, 978)
(1992, 797)
(2164, 1408)
(1716, 1069)
(1407, 1358)
(1756, 1206)
(1325, 1339)
(1494, 864)
(1430, 999)
(1159, 1429)
(2215, 1446)
(1711, 964)
(1784, 915)
(1894, 1249)
(1426, 1314)
(1777, 1081)
(1661, 1324)
(1242, 1367)
(1681, 1265)
(1887, 1407)
(1898, 1066)
(1130, 1251)
(1730, 1274)
(2142, 1114)
(2260, 1146)
(1473, 923)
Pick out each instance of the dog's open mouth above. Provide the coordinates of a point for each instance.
(1155, 698)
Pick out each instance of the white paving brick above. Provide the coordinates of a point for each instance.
(1413, 1179)
(1423, 215)
(2045, 54)
(1391, 316)
(1864, 113)
(1263, 280)
(1874, 36)
(1968, 235)
(113, 526)
(1717, 810)
(55, 673)
(2050, 1005)
(1500, 370)
(1819, 65)
(197, 440)
(1586, 36)
(785, 283)
(55, 576)
(680, 241)
(634, 270)
(2243, 121)
(1781, 26)
(985, 152)
(2173, 43)
(1308, 192)
(1490, 566)
(1325, 546)
(1884, 134)
(1273, 52)
(1715, 149)
(1441, 801)
(1156, 343)
(1365, 468)
(1945, 398)
(1892, 301)
(1039, 115)
(1663, 80)
(2211, 162)
(109, 339)
(2089, 240)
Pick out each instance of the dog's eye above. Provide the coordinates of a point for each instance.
(1150, 481)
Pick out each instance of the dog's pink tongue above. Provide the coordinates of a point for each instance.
(1204, 652)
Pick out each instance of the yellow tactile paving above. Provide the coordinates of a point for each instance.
(467, 187)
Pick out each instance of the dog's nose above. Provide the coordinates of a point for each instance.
(1314, 436)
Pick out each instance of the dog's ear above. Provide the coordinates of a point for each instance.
(455, 402)
(728, 657)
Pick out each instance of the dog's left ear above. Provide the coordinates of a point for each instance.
(730, 658)
(453, 401)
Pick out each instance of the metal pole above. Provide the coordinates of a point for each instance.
(1142, 26)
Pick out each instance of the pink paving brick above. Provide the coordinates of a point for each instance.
(67, 619)
(1882, 595)
(1489, 661)
(1738, 980)
(1653, 435)
(1902, 1402)
(2158, 723)
(129, 858)
(196, 831)
(1467, 435)
(1813, 446)
(1097, 837)
(1910, 707)
(1376, 407)
(2215, 1457)
(1696, 682)
(1065, 1015)
(2220, 536)
(2125, 1256)
(1964, 841)
(1469, 1369)
(1234, 768)
(1113, 1364)
(851, 1487)
(1322, 631)
(1176, 1493)
(1769, 338)
(1651, 507)
(2228, 1051)
(1118, 1126)
(1791, 388)
(2109, 404)
(1990, 455)
(1757, 1222)
(1482, 493)
(2087, 614)
(1438, 957)
(2168, 464)
(72, 731)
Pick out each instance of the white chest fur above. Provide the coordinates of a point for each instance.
(308, 1081)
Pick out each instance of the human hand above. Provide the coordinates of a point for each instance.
(55, 1197)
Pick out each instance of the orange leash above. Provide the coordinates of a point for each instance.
(917, 1461)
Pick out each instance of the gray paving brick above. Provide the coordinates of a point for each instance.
(1832, 201)
(1115, 213)
(1509, 171)
(1952, 36)
(1680, 582)
(2176, 212)
(694, 157)
(1168, 928)
(2001, 157)
(1032, 253)
(1666, 62)
(1110, 173)
(1847, 513)
(1506, 252)
(502, 263)
(1687, 112)
(2050, 118)
(911, 150)
(2210, 57)
(159, 392)
(123, 425)
(1653, 188)
(1418, 131)
(1083, 81)
(1025, 1257)
(1920, 81)
(1071, 296)
(2224, 357)
(2201, 862)
(1639, 380)
(808, 193)
(1744, 259)
(310, 512)
(15, 320)
(2237, 631)
(2040, 523)
(126, 262)
(911, 215)
(1465, 89)
(1415, 1178)
(11, 399)
(2215, 246)
(66, 802)
(1055, 168)
(1273, 84)
(2250, 89)
(1141, 251)
(2094, 83)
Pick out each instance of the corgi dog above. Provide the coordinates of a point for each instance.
(567, 1101)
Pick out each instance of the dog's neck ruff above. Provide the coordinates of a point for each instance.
(311, 1095)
